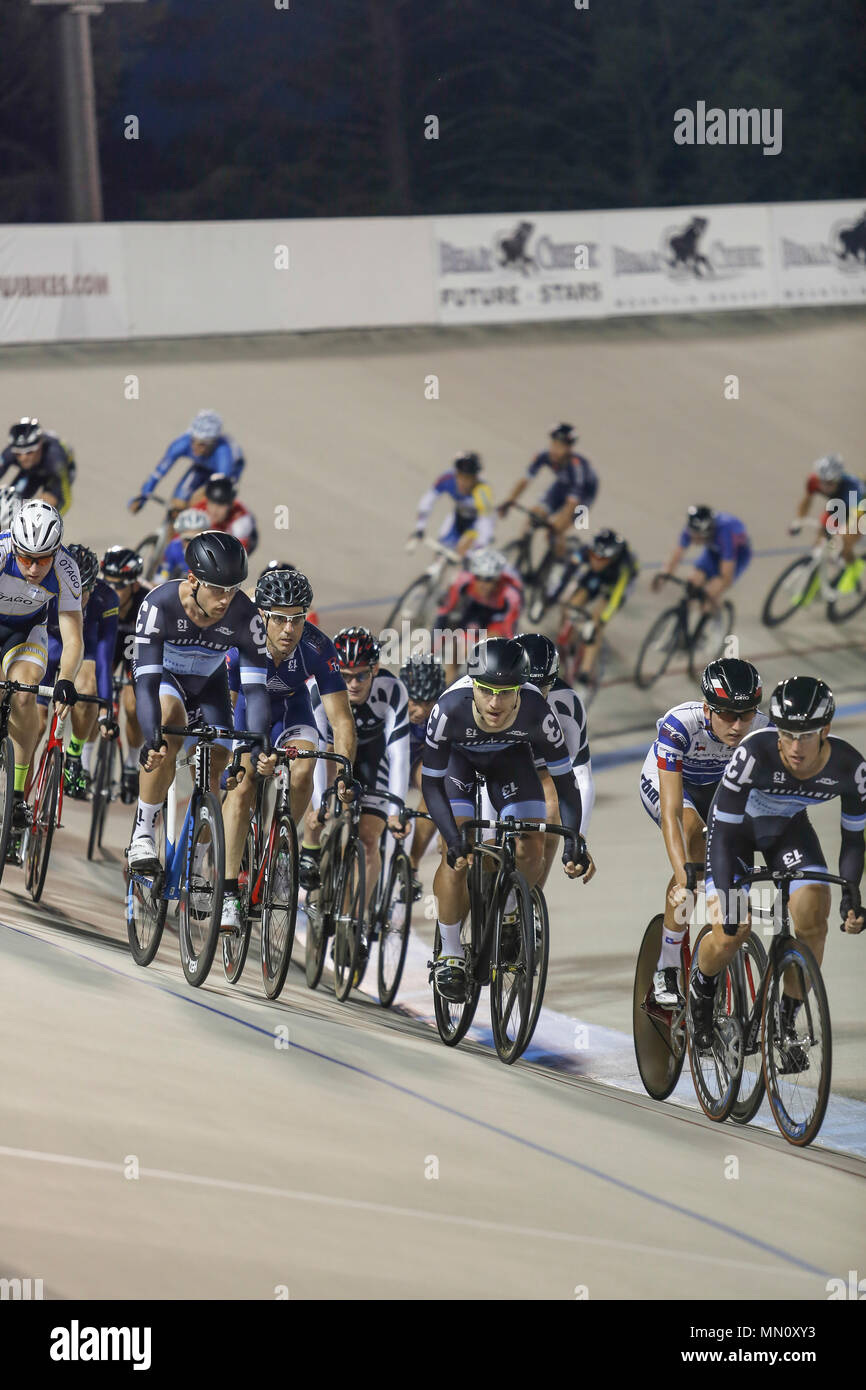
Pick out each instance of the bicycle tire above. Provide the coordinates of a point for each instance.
(668, 626)
(236, 945)
(279, 896)
(348, 920)
(44, 821)
(514, 1009)
(7, 785)
(808, 565)
(659, 1047)
(319, 910)
(699, 656)
(412, 604)
(202, 907)
(518, 555)
(750, 1096)
(146, 907)
(722, 1062)
(569, 645)
(394, 925)
(101, 789)
(792, 954)
(151, 562)
(453, 1020)
(541, 960)
(836, 612)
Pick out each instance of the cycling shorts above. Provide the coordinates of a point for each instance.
(709, 561)
(513, 785)
(697, 795)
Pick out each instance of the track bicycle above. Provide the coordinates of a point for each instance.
(702, 640)
(105, 784)
(336, 908)
(544, 573)
(13, 844)
(390, 909)
(570, 645)
(152, 547)
(821, 575)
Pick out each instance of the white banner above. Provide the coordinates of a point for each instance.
(820, 252)
(62, 283)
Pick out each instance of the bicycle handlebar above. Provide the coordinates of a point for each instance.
(537, 521)
(782, 876)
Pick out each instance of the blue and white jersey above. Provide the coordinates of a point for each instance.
(686, 744)
(225, 458)
(24, 604)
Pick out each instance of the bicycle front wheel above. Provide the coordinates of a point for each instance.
(201, 902)
(798, 1054)
(716, 1070)
(348, 921)
(149, 550)
(751, 1091)
(279, 906)
(7, 784)
(236, 944)
(511, 968)
(44, 821)
(659, 1034)
(145, 905)
(319, 908)
(395, 920)
(541, 957)
(413, 604)
(795, 587)
(453, 1019)
(657, 649)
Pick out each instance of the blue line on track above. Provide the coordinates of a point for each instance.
(586, 1168)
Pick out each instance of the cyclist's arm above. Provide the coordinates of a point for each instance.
(506, 624)
(485, 525)
(147, 671)
(549, 744)
(725, 822)
(853, 847)
(179, 448)
(617, 593)
(398, 744)
(672, 809)
(425, 507)
(342, 722)
(437, 751)
(227, 458)
(72, 637)
(104, 658)
(454, 596)
(519, 488)
(586, 786)
(804, 505)
(714, 588)
(673, 559)
(590, 489)
(253, 663)
(51, 493)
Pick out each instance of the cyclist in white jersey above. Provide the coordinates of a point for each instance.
(683, 768)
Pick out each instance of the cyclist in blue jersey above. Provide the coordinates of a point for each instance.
(472, 521)
(726, 553)
(844, 497)
(575, 484)
(99, 607)
(188, 523)
(209, 450)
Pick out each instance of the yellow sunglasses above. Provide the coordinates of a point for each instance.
(494, 689)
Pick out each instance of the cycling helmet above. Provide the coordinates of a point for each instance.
(88, 564)
(285, 588)
(356, 646)
(487, 563)
(220, 488)
(564, 432)
(830, 468)
(206, 425)
(122, 563)
(276, 565)
(543, 657)
(468, 463)
(801, 703)
(10, 506)
(423, 677)
(217, 558)
(499, 661)
(37, 529)
(731, 684)
(25, 434)
(701, 520)
(607, 544)
(191, 519)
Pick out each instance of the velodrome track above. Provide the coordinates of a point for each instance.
(304, 1167)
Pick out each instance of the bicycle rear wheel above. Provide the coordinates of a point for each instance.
(279, 907)
(541, 958)
(716, 1071)
(657, 648)
(236, 944)
(511, 969)
(7, 784)
(795, 587)
(394, 923)
(348, 920)
(797, 1066)
(319, 908)
(145, 905)
(659, 1034)
(709, 638)
(751, 1091)
(453, 1020)
(44, 820)
(201, 901)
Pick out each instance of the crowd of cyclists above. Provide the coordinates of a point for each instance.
(721, 780)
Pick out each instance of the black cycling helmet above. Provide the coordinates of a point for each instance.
(564, 432)
(607, 543)
(356, 646)
(499, 661)
(217, 558)
(423, 677)
(119, 562)
(543, 657)
(88, 564)
(283, 588)
(701, 520)
(276, 565)
(220, 488)
(468, 463)
(25, 433)
(801, 703)
(731, 684)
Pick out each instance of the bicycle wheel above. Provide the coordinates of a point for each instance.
(145, 905)
(657, 648)
(795, 587)
(44, 820)
(511, 969)
(320, 911)
(850, 592)
(101, 794)
(541, 957)
(394, 923)
(279, 906)
(709, 638)
(751, 1091)
(716, 1071)
(569, 645)
(201, 899)
(659, 1034)
(454, 1020)
(7, 783)
(348, 920)
(236, 944)
(149, 551)
(797, 1073)
(413, 603)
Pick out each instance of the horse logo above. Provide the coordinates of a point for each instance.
(684, 246)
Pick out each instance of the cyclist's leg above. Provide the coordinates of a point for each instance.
(552, 843)
(153, 786)
(215, 704)
(516, 790)
(450, 888)
(562, 520)
(193, 479)
(54, 648)
(23, 657)
(809, 902)
(591, 649)
(237, 811)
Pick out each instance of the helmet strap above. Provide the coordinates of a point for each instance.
(195, 590)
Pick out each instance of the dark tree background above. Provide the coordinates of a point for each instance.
(319, 110)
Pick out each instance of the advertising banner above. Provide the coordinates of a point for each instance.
(820, 252)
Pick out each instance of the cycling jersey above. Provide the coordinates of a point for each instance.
(225, 458)
(473, 511)
(240, 522)
(124, 647)
(99, 620)
(612, 583)
(464, 608)
(849, 494)
(314, 659)
(175, 655)
(54, 472)
(761, 805)
(571, 713)
(687, 744)
(576, 478)
(22, 603)
(382, 729)
(729, 541)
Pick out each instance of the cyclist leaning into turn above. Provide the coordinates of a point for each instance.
(726, 553)
(473, 520)
(575, 484)
(844, 504)
(46, 467)
(606, 569)
(209, 450)
(486, 597)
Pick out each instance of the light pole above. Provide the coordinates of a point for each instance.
(79, 146)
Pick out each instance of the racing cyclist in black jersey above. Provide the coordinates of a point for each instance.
(773, 777)
(46, 467)
(492, 721)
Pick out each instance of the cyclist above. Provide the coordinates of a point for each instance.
(606, 569)
(681, 772)
(34, 568)
(844, 506)
(298, 653)
(569, 710)
(223, 511)
(46, 467)
(183, 632)
(726, 553)
(492, 721)
(188, 523)
(121, 568)
(762, 804)
(575, 484)
(487, 597)
(210, 451)
(424, 680)
(472, 522)
(99, 609)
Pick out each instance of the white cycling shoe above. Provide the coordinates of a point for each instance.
(232, 920)
(142, 856)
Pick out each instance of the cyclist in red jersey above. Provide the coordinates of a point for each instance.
(486, 599)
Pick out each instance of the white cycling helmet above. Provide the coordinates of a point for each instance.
(37, 529)
(487, 563)
(10, 506)
(830, 468)
(190, 521)
(206, 425)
